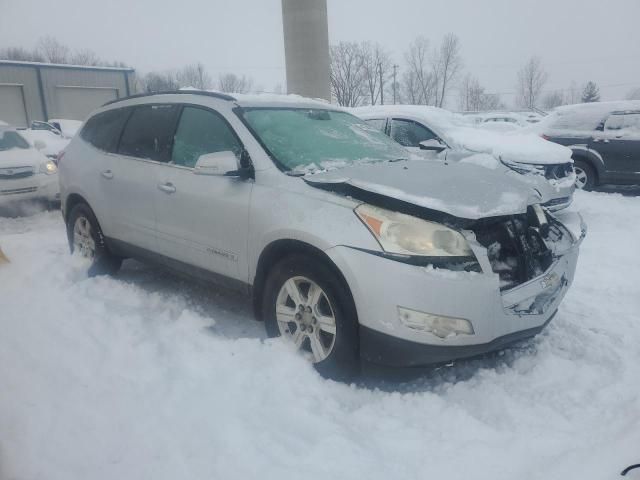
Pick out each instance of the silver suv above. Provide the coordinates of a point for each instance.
(349, 249)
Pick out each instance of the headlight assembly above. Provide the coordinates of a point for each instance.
(48, 167)
(402, 234)
(524, 168)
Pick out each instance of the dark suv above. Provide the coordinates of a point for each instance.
(604, 137)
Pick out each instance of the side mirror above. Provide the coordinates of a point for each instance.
(433, 145)
(217, 163)
(39, 145)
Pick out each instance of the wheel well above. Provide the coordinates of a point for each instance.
(73, 200)
(276, 251)
(585, 158)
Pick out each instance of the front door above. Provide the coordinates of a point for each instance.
(203, 220)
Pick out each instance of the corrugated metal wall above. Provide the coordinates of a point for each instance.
(57, 88)
(27, 78)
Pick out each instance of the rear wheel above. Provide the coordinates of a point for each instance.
(585, 175)
(306, 303)
(85, 238)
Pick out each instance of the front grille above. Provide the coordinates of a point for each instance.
(16, 173)
(17, 191)
(556, 172)
(516, 250)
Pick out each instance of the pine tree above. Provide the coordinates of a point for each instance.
(591, 93)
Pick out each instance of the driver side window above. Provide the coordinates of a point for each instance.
(200, 132)
(409, 133)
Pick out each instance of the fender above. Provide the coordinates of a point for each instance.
(592, 156)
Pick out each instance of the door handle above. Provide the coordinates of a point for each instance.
(167, 187)
(108, 174)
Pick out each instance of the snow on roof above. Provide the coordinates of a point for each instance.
(64, 65)
(584, 116)
(269, 99)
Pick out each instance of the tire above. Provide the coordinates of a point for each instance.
(90, 241)
(334, 356)
(585, 175)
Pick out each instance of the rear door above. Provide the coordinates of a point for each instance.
(630, 145)
(607, 141)
(144, 145)
(203, 220)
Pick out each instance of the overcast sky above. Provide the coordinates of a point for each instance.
(577, 40)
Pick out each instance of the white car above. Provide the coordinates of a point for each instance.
(419, 127)
(25, 173)
(348, 248)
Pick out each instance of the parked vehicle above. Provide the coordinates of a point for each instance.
(349, 249)
(438, 130)
(604, 138)
(25, 173)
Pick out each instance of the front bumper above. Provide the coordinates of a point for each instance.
(36, 187)
(379, 286)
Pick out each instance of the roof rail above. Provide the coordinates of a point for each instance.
(221, 96)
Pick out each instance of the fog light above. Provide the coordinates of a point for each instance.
(439, 325)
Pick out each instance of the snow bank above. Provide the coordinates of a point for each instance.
(148, 376)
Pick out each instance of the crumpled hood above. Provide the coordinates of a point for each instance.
(462, 190)
(21, 157)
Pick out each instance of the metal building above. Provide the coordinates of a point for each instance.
(42, 91)
(306, 47)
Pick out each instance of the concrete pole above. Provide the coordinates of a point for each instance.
(306, 47)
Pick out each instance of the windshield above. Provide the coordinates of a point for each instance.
(10, 139)
(304, 140)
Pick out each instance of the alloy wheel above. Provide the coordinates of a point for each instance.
(306, 318)
(581, 178)
(82, 238)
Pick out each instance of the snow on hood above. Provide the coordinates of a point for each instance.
(21, 157)
(461, 133)
(466, 191)
(54, 144)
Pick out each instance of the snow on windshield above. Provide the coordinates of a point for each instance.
(302, 139)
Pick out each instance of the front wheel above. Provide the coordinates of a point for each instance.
(585, 175)
(86, 239)
(306, 303)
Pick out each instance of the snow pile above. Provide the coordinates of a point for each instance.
(148, 376)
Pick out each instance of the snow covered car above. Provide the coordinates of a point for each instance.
(348, 248)
(430, 128)
(25, 173)
(604, 138)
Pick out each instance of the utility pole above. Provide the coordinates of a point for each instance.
(381, 84)
(395, 83)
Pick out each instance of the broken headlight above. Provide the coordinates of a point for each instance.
(403, 234)
(524, 168)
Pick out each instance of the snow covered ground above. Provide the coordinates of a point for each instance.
(148, 376)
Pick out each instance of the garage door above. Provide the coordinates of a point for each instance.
(12, 105)
(75, 103)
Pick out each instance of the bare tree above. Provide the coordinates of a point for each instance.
(418, 83)
(446, 64)
(377, 66)
(531, 79)
(232, 83)
(158, 82)
(20, 54)
(52, 50)
(85, 57)
(634, 94)
(573, 94)
(473, 97)
(195, 76)
(348, 83)
(553, 99)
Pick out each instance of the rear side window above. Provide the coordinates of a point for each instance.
(149, 132)
(103, 130)
(410, 133)
(200, 132)
(379, 123)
